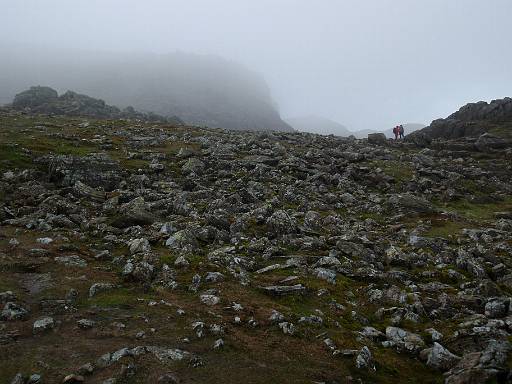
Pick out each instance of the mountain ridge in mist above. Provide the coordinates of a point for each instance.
(202, 90)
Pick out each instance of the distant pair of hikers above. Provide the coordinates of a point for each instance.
(398, 131)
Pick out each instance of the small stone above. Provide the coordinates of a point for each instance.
(214, 277)
(287, 328)
(71, 261)
(86, 323)
(18, 379)
(100, 287)
(86, 369)
(13, 311)
(434, 334)
(168, 378)
(73, 379)
(43, 324)
(219, 343)
(139, 246)
(364, 359)
(209, 300)
(181, 262)
(14, 243)
(45, 240)
(276, 317)
(34, 379)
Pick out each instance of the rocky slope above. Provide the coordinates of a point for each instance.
(151, 253)
(472, 120)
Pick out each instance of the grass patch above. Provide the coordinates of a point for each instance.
(121, 298)
(475, 211)
(445, 229)
(134, 163)
(401, 172)
(12, 157)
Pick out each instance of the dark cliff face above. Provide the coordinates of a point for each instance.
(471, 120)
(202, 90)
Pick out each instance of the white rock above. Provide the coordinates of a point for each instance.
(209, 300)
(43, 324)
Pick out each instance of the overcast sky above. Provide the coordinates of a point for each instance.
(364, 63)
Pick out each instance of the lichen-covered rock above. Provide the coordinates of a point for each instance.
(404, 340)
(13, 311)
(44, 324)
(99, 288)
(441, 358)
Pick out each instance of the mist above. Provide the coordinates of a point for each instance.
(364, 64)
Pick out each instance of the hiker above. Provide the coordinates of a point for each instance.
(401, 131)
(395, 132)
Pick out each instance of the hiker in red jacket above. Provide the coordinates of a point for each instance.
(395, 132)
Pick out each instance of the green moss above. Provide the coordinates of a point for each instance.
(479, 211)
(379, 218)
(446, 229)
(122, 297)
(167, 259)
(134, 163)
(12, 157)
(401, 172)
(503, 130)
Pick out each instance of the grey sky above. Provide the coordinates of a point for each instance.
(364, 63)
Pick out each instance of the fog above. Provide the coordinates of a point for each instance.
(367, 64)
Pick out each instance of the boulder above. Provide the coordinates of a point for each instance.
(136, 212)
(99, 288)
(404, 340)
(441, 358)
(13, 311)
(488, 365)
(377, 139)
(42, 325)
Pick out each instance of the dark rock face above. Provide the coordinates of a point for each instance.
(497, 111)
(45, 100)
(472, 120)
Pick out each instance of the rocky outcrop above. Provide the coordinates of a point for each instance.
(472, 120)
(45, 100)
(499, 110)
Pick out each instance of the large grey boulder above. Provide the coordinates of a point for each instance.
(488, 142)
(440, 358)
(482, 367)
(281, 223)
(135, 212)
(377, 139)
